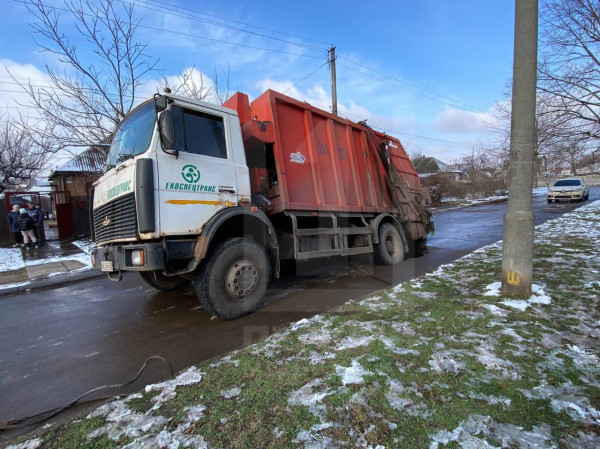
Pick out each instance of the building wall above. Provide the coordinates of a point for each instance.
(76, 184)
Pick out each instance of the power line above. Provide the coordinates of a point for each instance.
(55, 8)
(227, 42)
(242, 23)
(453, 143)
(448, 100)
(142, 4)
(307, 76)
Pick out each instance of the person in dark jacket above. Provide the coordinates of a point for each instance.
(37, 215)
(26, 226)
(13, 222)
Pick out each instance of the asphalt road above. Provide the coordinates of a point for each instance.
(56, 344)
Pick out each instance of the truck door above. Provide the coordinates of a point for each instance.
(202, 179)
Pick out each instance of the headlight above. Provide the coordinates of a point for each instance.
(138, 258)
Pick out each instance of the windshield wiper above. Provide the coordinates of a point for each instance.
(123, 157)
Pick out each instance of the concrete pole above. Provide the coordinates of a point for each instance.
(333, 81)
(517, 253)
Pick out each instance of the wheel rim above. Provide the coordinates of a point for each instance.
(392, 246)
(241, 279)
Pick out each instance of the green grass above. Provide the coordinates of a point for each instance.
(451, 322)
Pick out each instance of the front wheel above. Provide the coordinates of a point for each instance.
(165, 283)
(390, 249)
(233, 279)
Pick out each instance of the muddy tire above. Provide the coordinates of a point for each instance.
(233, 279)
(165, 283)
(390, 249)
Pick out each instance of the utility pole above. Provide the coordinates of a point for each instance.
(517, 252)
(333, 81)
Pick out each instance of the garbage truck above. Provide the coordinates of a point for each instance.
(221, 195)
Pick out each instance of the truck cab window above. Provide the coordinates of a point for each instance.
(199, 133)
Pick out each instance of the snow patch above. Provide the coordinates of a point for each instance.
(30, 444)
(353, 374)
(167, 389)
(354, 342)
(538, 296)
(444, 361)
(232, 393)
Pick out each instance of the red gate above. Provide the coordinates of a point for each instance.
(64, 214)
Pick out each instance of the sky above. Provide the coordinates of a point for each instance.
(428, 72)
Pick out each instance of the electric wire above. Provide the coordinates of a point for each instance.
(47, 414)
(56, 8)
(307, 76)
(240, 23)
(453, 143)
(433, 95)
(142, 4)
(442, 98)
(179, 33)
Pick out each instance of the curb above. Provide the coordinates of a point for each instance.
(464, 206)
(49, 282)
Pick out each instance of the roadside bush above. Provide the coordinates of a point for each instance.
(438, 186)
(480, 185)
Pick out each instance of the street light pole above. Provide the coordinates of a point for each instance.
(517, 253)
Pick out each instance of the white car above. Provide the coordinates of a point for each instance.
(569, 189)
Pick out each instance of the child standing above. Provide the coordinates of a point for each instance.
(26, 225)
(13, 221)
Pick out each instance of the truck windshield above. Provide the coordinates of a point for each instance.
(133, 135)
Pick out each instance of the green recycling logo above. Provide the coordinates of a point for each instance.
(190, 174)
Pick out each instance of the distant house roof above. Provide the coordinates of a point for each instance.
(430, 165)
(91, 161)
(40, 185)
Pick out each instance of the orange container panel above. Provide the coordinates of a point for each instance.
(324, 162)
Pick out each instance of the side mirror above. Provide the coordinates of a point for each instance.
(160, 103)
(167, 132)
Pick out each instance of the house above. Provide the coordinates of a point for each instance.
(71, 183)
(429, 166)
(78, 174)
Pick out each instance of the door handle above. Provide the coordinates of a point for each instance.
(228, 189)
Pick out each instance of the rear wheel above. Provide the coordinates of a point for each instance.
(390, 249)
(165, 283)
(233, 279)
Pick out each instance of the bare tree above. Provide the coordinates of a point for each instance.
(572, 154)
(414, 151)
(569, 69)
(20, 159)
(555, 132)
(222, 87)
(187, 86)
(87, 99)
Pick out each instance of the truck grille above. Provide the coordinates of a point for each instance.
(116, 220)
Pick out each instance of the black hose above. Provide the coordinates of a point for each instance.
(47, 414)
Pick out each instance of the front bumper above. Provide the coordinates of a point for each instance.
(117, 258)
(565, 196)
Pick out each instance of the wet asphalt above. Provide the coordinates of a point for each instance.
(57, 344)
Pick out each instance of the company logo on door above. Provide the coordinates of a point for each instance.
(191, 175)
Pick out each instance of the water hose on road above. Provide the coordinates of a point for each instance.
(47, 414)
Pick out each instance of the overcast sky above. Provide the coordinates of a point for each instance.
(425, 71)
